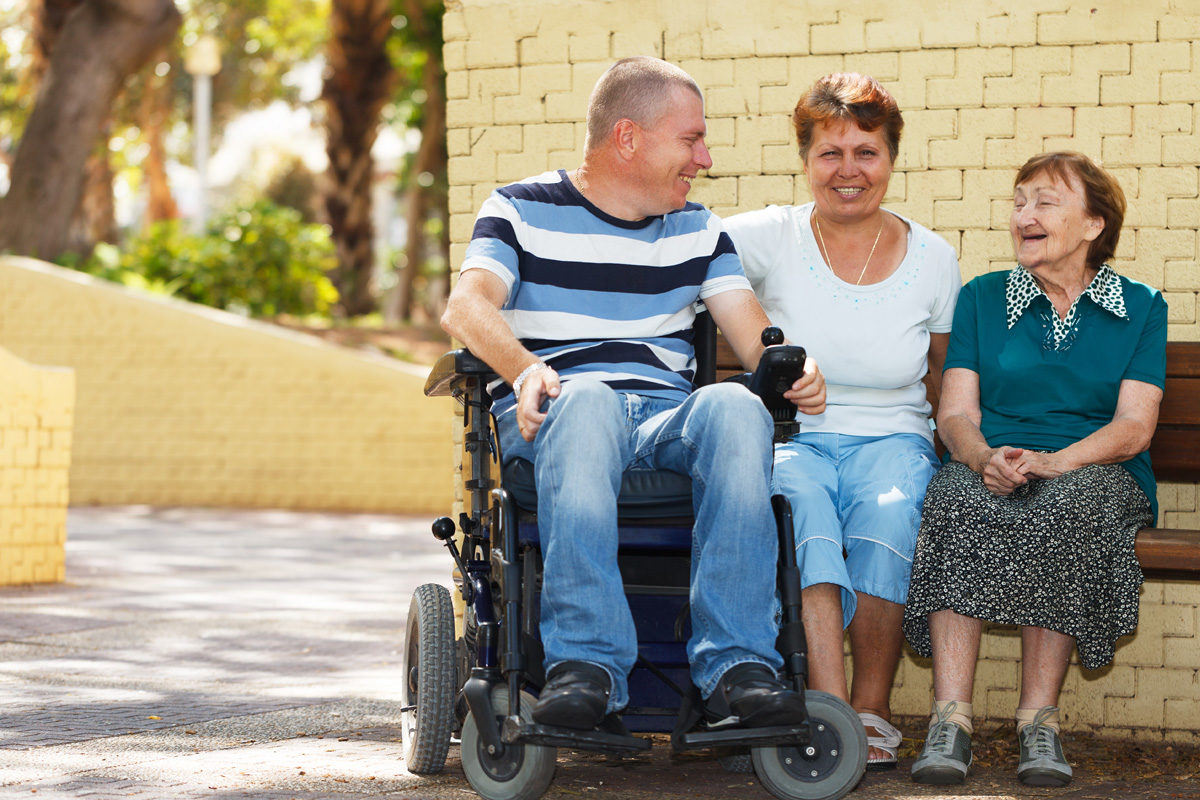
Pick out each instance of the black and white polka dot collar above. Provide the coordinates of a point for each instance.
(1105, 291)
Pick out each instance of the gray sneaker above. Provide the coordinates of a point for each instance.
(946, 756)
(1042, 761)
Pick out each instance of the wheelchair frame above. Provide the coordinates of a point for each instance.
(498, 660)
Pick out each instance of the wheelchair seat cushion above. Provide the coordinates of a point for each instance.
(645, 493)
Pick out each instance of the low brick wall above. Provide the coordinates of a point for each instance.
(180, 404)
(36, 411)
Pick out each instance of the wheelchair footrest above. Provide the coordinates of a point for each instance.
(517, 730)
(779, 735)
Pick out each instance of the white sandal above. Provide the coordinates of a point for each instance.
(888, 740)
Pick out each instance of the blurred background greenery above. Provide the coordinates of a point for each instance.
(323, 201)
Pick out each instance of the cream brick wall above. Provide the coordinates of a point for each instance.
(183, 405)
(983, 85)
(37, 406)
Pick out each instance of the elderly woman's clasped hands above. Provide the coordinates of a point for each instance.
(1004, 469)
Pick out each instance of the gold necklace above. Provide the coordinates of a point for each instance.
(825, 252)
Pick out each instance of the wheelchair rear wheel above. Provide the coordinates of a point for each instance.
(430, 680)
(827, 768)
(521, 772)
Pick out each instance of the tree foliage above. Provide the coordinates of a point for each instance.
(15, 97)
(383, 62)
(262, 42)
(101, 43)
(262, 260)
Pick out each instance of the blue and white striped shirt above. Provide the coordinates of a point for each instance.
(592, 294)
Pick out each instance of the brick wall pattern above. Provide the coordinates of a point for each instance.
(179, 404)
(983, 85)
(37, 407)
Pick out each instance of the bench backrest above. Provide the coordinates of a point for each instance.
(1175, 451)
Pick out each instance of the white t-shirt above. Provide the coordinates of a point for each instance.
(871, 342)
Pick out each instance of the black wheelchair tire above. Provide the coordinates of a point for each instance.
(430, 679)
(523, 772)
(832, 768)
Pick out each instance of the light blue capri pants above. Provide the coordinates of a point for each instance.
(856, 502)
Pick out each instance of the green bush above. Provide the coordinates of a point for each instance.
(261, 260)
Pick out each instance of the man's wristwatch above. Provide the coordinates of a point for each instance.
(525, 373)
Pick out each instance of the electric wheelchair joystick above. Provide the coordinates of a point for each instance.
(443, 531)
(780, 366)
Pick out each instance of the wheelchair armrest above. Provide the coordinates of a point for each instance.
(452, 369)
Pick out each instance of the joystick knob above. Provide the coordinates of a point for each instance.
(771, 336)
(443, 528)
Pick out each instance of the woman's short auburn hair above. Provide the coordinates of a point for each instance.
(1102, 195)
(848, 97)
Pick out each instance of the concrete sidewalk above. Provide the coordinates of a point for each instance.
(213, 654)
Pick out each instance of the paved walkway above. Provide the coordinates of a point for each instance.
(223, 655)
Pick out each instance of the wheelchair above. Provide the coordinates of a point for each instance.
(477, 677)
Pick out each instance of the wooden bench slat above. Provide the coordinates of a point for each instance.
(1174, 452)
(1179, 403)
(1168, 550)
(1183, 359)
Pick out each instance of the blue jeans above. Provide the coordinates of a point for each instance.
(858, 495)
(721, 437)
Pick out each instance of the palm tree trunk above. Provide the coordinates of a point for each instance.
(358, 82)
(426, 194)
(435, 131)
(153, 111)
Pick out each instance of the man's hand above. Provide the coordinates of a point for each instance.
(998, 468)
(537, 387)
(808, 392)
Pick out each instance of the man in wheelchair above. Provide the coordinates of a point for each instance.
(579, 289)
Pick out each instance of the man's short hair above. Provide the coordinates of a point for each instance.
(638, 89)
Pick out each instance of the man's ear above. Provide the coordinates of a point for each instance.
(627, 136)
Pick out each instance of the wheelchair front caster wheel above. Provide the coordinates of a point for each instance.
(428, 720)
(825, 769)
(520, 772)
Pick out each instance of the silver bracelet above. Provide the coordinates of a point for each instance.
(525, 373)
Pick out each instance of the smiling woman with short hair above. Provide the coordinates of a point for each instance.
(870, 294)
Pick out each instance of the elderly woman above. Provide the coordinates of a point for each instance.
(1050, 396)
(871, 294)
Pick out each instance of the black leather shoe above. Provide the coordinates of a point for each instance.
(575, 696)
(750, 695)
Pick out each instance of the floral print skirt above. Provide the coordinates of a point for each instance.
(1055, 554)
